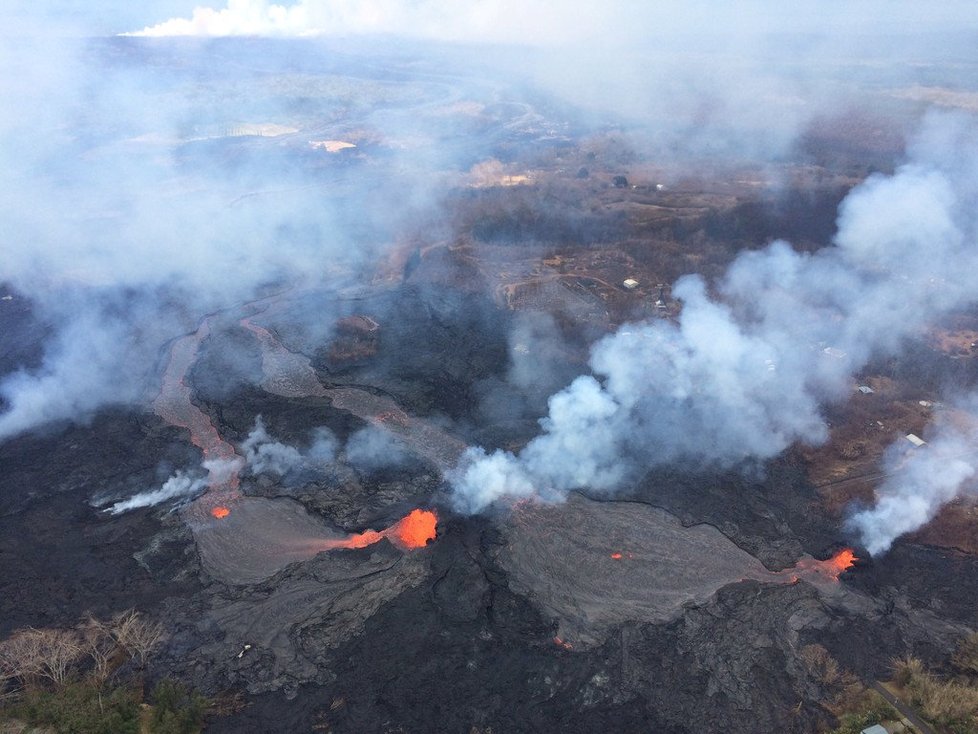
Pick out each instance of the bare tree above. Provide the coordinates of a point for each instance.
(101, 645)
(137, 635)
(33, 654)
(59, 650)
(20, 659)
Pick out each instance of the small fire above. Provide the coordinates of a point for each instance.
(559, 642)
(616, 556)
(220, 512)
(412, 531)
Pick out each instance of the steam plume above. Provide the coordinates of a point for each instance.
(180, 484)
(265, 455)
(922, 480)
(373, 448)
(743, 375)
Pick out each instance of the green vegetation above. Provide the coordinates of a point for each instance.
(951, 704)
(866, 710)
(88, 680)
(80, 708)
(176, 710)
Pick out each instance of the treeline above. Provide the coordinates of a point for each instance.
(89, 680)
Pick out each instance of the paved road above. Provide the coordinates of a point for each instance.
(919, 724)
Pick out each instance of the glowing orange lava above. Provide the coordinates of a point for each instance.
(842, 560)
(563, 643)
(830, 568)
(220, 512)
(412, 531)
(415, 530)
(616, 556)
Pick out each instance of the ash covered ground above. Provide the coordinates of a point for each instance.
(354, 288)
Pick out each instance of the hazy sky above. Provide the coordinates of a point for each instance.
(497, 20)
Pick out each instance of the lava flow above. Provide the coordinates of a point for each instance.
(175, 406)
(412, 531)
(831, 568)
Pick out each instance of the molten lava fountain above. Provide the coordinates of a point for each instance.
(413, 531)
(828, 570)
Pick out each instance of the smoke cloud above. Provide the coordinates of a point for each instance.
(744, 372)
(922, 480)
(147, 183)
(264, 455)
(373, 448)
(180, 485)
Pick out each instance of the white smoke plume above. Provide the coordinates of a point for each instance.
(373, 448)
(264, 455)
(324, 447)
(743, 374)
(920, 481)
(121, 183)
(181, 484)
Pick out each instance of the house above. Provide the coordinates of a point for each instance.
(916, 440)
(630, 283)
(875, 729)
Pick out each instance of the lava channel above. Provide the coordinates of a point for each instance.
(174, 405)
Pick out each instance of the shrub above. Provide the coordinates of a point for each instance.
(965, 658)
(175, 709)
(872, 710)
(81, 708)
(952, 704)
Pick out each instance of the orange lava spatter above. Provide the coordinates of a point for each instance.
(831, 568)
(412, 531)
(415, 530)
(842, 560)
(220, 512)
(361, 540)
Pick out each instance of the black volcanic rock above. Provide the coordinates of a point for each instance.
(60, 557)
(731, 664)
